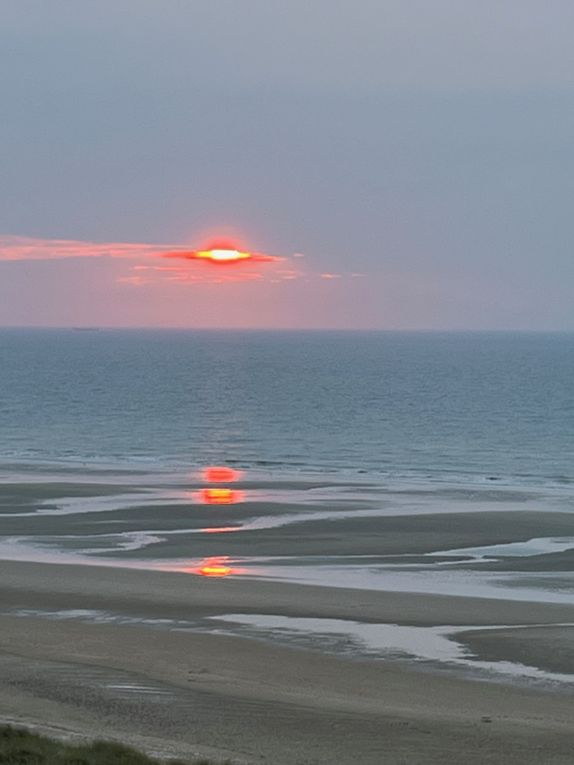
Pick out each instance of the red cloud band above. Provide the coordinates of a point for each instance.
(222, 255)
(150, 269)
(28, 248)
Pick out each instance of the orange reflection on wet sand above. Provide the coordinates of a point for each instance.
(220, 496)
(221, 529)
(216, 567)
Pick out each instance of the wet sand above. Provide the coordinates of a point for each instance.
(393, 535)
(116, 647)
(298, 519)
(549, 648)
(179, 594)
(181, 692)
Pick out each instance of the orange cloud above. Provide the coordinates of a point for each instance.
(28, 248)
(184, 275)
(218, 263)
(222, 256)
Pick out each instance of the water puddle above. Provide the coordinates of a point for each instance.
(437, 646)
(422, 644)
(537, 546)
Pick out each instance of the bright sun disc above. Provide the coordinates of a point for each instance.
(223, 256)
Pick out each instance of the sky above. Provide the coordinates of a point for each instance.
(407, 164)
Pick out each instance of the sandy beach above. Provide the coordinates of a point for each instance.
(311, 621)
(183, 691)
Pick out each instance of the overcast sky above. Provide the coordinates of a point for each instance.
(418, 153)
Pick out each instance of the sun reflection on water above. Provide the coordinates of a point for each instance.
(218, 567)
(220, 474)
(220, 496)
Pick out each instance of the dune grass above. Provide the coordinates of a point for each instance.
(21, 747)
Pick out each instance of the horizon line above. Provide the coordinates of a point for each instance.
(396, 330)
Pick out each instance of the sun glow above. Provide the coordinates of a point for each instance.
(223, 256)
(221, 253)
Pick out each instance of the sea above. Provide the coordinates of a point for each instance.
(470, 407)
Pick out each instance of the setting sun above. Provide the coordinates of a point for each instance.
(223, 256)
(220, 253)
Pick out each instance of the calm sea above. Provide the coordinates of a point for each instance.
(473, 407)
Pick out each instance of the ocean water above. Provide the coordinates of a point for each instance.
(432, 406)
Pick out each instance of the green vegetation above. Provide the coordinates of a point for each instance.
(20, 747)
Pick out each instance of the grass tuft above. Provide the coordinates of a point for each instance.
(21, 747)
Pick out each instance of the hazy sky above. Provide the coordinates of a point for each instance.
(418, 153)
